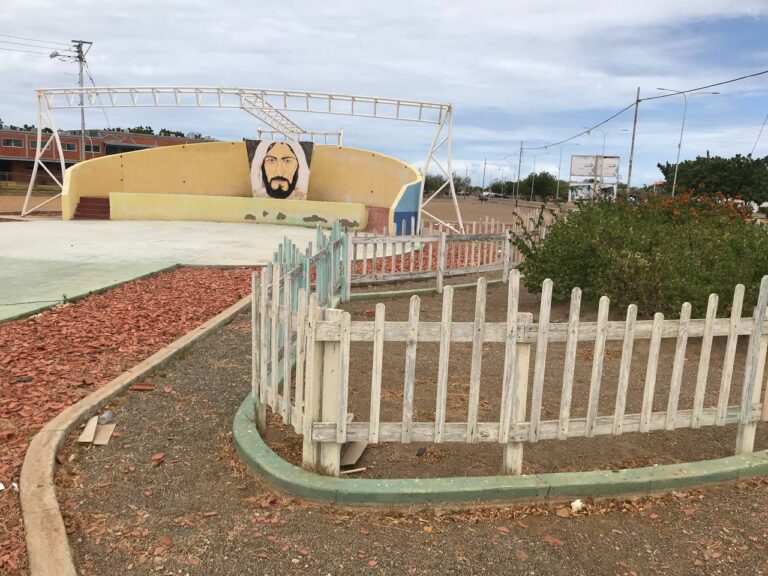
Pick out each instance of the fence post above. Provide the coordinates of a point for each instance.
(440, 262)
(347, 290)
(507, 240)
(745, 436)
(513, 452)
(313, 381)
(330, 410)
(256, 335)
(264, 346)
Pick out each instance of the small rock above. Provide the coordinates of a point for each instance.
(577, 506)
(107, 417)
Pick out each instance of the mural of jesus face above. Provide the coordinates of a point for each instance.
(280, 170)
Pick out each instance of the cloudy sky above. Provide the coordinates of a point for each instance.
(531, 71)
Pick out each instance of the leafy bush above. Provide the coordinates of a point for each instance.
(657, 253)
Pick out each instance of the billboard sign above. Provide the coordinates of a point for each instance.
(594, 166)
(581, 192)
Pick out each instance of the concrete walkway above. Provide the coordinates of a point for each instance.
(42, 261)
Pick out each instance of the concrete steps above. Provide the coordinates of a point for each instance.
(92, 208)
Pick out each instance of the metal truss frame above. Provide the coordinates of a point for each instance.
(311, 136)
(268, 106)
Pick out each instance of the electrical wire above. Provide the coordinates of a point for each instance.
(588, 130)
(705, 87)
(90, 77)
(758, 136)
(32, 45)
(25, 51)
(33, 40)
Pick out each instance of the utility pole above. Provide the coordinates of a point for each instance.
(80, 57)
(482, 189)
(519, 166)
(632, 147)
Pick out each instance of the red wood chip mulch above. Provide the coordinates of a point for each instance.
(53, 359)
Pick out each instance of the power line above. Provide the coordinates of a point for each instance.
(29, 45)
(705, 87)
(758, 136)
(588, 130)
(90, 77)
(25, 51)
(33, 40)
(585, 131)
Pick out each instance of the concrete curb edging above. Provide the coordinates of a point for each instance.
(261, 459)
(48, 548)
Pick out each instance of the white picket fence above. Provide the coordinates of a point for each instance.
(437, 253)
(301, 355)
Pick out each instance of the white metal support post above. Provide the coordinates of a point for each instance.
(268, 106)
(445, 127)
(44, 115)
(336, 138)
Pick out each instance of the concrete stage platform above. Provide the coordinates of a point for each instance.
(41, 261)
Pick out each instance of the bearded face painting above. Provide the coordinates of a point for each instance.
(279, 169)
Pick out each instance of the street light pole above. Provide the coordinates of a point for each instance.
(77, 54)
(80, 57)
(682, 128)
(519, 167)
(559, 169)
(533, 180)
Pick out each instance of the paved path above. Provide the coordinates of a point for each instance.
(42, 261)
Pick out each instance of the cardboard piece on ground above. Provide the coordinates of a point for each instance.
(351, 451)
(89, 431)
(103, 433)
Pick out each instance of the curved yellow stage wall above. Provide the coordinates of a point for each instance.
(191, 177)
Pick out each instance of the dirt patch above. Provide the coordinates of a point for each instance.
(472, 210)
(13, 203)
(53, 359)
(201, 512)
(395, 460)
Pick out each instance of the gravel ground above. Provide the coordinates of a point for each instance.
(197, 510)
(53, 359)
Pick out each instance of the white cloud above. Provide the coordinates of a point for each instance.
(536, 71)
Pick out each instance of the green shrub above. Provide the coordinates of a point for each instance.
(657, 253)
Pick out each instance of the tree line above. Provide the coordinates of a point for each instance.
(132, 129)
(740, 176)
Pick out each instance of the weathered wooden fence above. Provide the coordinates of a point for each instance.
(301, 353)
(280, 297)
(437, 253)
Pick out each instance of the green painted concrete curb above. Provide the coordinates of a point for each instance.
(414, 291)
(260, 458)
